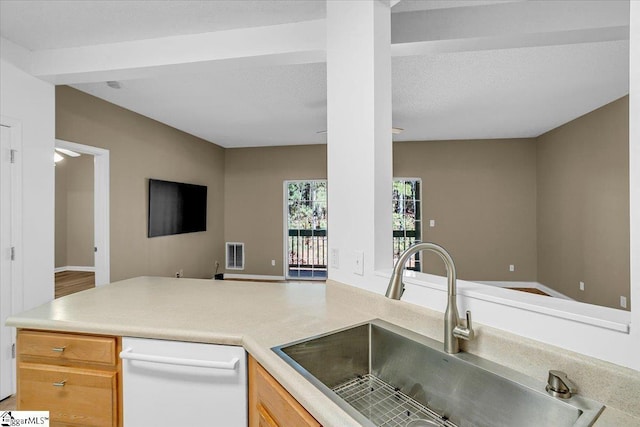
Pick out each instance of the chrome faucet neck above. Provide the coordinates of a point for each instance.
(454, 330)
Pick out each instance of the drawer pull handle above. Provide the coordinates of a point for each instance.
(60, 384)
(128, 354)
(58, 349)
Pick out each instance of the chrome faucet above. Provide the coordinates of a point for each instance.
(454, 331)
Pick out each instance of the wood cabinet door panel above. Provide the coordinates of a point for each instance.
(265, 419)
(280, 405)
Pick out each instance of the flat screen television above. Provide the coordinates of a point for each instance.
(176, 208)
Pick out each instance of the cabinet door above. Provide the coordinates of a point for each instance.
(265, 419)
(73, 396)
(271, 404)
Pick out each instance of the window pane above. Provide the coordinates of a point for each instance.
(406, 218)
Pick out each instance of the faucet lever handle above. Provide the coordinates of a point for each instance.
(469, 325)
(465, 333)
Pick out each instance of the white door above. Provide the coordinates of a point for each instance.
(7, 386)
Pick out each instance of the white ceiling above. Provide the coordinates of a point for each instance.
(51, 24)
(498, 93)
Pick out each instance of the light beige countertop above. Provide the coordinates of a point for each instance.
(259, 316)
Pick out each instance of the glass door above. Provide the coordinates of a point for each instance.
(306, 229)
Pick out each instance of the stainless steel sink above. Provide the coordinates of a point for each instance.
(384, 375)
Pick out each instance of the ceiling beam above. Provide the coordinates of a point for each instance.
(508, 25)
(295, 43)
(505, 19)
(429, 32)
(511, 41)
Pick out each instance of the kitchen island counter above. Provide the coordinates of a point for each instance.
(259, 315)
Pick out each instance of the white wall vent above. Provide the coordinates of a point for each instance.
(235, 256)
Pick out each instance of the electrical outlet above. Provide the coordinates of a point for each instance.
(432, 223)
(273, 263)
(512, 267)
(582, 286)
(623, 301)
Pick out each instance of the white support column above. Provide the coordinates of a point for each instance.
(359, 152)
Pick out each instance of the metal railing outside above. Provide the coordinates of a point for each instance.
(308, 253)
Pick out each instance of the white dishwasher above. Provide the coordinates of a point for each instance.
(170, 383)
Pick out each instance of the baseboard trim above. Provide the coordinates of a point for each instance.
(252, 277)
(536, 285)
(74, 268)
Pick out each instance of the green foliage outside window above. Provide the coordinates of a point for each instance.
(307, 205)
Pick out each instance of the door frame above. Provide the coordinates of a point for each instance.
(100, 206)
(16, 265)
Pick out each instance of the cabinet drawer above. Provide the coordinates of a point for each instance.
(69, 347)
(276, 406)
(72, 396)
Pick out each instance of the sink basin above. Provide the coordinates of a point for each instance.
(384, 375)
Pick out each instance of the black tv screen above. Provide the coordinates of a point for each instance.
(176, 208)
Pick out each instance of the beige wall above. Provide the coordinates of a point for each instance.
(489, 198)
(583, 206)
(254, 199)
(74, 212)
(482, 196)
(141, 148)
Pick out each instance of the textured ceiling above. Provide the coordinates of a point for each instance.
(282, 105)
(501, 93)
(505, 93)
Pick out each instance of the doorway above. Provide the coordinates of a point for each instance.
(101, 248)
(306, 229)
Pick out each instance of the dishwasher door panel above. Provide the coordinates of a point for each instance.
(168, 383)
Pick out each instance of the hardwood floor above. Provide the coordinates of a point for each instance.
(531, 291)
(70, 282)
(8, 404)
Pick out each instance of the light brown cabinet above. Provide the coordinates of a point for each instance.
(270, 405)
(77, 378)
